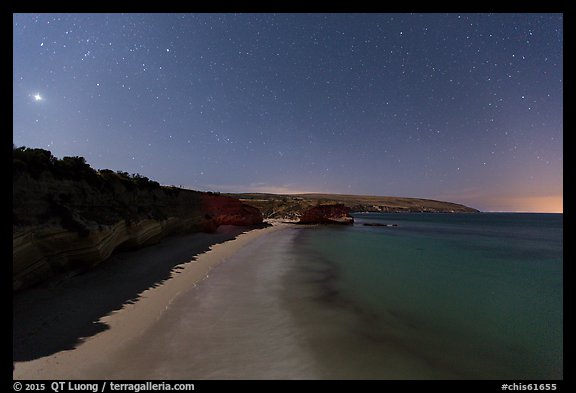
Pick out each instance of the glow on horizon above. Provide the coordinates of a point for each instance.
(490, 204)
(539, 204)
(262, 188)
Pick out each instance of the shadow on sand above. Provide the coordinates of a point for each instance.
(59, 315)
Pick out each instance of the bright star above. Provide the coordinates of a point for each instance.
(38, 97)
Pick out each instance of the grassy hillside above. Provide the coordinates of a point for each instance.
(291, 206)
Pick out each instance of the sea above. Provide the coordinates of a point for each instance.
(425, 296)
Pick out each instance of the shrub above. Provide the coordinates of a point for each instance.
(144, 182)
(35, 161)
(74, 168)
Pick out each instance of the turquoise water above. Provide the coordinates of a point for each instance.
(440, 295)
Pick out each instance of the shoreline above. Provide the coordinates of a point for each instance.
(135, 317)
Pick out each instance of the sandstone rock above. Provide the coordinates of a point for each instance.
(327, 214)
(64, 226)
(41, 253)
(229, 211)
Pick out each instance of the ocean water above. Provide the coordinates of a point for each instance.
(439, 296)
(473, 296)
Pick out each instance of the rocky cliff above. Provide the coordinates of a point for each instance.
(327, 214)
(229, 211)
(68, 217)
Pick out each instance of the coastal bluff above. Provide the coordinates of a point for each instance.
(68, 217)
(294, 206)
(327, 214)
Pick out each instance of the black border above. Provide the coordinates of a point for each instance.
(515, 6)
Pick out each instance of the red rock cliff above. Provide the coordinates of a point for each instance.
(327, 214)
(224, 210)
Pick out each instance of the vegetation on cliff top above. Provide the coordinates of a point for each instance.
(37, 162)
(68, 192)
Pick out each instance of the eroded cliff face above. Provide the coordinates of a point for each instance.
(327, 214)
(63, 226)
(229, 211)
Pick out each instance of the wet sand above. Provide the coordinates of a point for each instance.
(72, 330)
(233, 325)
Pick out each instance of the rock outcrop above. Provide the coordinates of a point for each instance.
(327, 214)
(229, 211)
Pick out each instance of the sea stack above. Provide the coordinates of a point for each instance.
(327, 214)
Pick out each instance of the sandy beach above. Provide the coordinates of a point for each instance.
(44, 315)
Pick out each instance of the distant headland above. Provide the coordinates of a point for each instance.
(293, 205)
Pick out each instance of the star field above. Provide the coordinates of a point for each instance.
(459, 107)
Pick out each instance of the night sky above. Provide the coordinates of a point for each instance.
(465, 108)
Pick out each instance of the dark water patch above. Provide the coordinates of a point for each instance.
(348, 339)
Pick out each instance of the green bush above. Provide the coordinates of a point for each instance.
(74, 168)
(144, 182)
(38, 161)
(35, 161)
